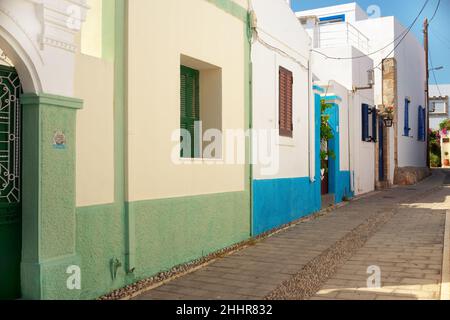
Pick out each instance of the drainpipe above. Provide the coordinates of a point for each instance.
(311, 124)
(350, 97)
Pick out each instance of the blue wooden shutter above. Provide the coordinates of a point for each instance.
(374, 124)
(406, 128)
(420, 124)
(422, 129)
(365, 122)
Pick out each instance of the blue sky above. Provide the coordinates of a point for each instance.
(406, 11)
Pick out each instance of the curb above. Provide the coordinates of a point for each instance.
(445, 281)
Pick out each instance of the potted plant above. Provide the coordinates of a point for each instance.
(446, 160)
(387, 114)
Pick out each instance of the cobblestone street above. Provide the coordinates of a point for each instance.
(399, 232)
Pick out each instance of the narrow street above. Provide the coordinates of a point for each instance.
(396, 233)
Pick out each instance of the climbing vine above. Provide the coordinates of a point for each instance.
(326, 134)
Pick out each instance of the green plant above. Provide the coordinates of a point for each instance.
(435, 161)
(326, 134)
(435, 148)
(445, 125)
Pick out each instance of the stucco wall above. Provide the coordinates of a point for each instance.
(410, 57)
(411, 78)
(154, 99)
(344, 75)
(288, 37)
(95, 131)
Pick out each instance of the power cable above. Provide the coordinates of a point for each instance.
(402, 36)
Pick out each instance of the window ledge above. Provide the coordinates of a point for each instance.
(286, 142)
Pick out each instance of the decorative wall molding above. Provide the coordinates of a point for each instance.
(62, 20)
(16, 21)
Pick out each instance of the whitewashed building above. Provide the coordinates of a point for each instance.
(439, 103)
(399, 77)
(348, 78)
(283, 103)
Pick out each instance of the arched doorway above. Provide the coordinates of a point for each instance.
(10, 179)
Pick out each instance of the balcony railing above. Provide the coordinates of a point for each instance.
(340, 34)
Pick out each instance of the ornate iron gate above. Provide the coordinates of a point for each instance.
(10, 165)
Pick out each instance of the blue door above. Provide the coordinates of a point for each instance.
(380, 150)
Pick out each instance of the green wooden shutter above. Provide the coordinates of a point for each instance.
(190, 106)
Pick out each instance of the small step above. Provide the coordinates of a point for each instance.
(327, 200)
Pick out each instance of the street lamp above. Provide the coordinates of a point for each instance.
(388, 122)
(387, 114)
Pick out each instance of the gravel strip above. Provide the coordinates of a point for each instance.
(315, 273)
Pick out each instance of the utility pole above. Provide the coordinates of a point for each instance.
(427, 93)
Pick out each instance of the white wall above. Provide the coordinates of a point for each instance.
(444, 90)
(40, 42)
(343, 75)
(352, 12)
(278, 27)
(411, 73)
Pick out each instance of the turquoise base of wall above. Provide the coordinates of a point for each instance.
(280, 201)
(342, 187)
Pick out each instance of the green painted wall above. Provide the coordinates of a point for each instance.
(169, 232)
(173, 231)
(48, 194)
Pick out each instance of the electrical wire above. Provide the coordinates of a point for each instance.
(435, 12)
(443, 40)
(402, 36)
(434, 73)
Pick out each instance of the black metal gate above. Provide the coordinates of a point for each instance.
(10, 165)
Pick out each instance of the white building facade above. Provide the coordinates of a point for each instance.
(439, 104)
(399, 78)
(283, 104)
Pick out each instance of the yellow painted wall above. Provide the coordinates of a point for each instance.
(95, 131)
(91, 32)
(160, 31)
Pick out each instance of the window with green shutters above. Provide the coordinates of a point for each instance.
(190, 108)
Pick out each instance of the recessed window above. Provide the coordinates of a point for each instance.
(200, 109)
(438, 106)
(286, 81)
(190, 111)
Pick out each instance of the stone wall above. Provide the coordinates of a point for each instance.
(410, 175)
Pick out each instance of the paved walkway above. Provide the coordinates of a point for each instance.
(400, 231)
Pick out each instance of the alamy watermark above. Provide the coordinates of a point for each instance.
(374, 280)
(227, 147)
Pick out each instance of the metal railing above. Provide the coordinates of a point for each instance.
(339, 34)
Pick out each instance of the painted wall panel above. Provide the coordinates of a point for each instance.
(95, 131)
(154, 102)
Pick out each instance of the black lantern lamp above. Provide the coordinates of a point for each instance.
(388, 122)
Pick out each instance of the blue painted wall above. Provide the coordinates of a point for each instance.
(280, 201)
